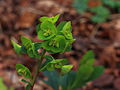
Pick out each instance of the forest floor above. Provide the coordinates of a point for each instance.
(20, 17)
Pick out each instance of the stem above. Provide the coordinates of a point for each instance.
(39, 62)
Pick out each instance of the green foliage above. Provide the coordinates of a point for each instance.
(56, 39)
(53, 79)
(66, 68)
(17, 47)
(85, 73)
(50, 19)
(23, 71)
(54, 64)
(80, 5)
(47, 31)
(3, 86)
(101, 12)
(100, 17)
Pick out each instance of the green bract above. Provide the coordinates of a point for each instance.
(50, 19)
(24, 71)
(54, 64)
(17, 47)
(47, 31)
(55, 45)
(66, 31)
(57, 39)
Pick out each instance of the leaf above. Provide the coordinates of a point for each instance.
(55, 45)
(28, 87)
(30, 48)
(17, 47)
(80, 5)
(67, 80)
(34, 50)
(26, 42)
(53, 64)
(49, 57)
(47, 31)
(110, 3)
(98, 70)
(2, 85)
(37, 45)
(67, 31)
(24, 50)
(88, 56)
(68, 46)
(84, 72)
(50, 19)
(66, 68)
(38, 28)
(25, 81)
(23, 71)
(100, 17)
(61, 25)
(53, 79)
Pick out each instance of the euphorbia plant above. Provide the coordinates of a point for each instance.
(55, 39)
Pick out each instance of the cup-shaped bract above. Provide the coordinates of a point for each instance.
(52, 19)
(55, 45)
(47, 31)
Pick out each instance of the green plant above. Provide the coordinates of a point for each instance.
(98, 8)
(3, 86)
(55, 39)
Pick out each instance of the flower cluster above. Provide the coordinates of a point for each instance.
(57, 39)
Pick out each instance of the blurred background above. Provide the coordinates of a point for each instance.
(96, 29)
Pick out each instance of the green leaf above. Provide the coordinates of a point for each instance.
(84, 72)
(67, 31)
(25, 81)
(17, 47)
(47, 31)
(34, 50)
(62, 61)
(26, 42)
(37, 45)
(2, 85)
(98, 70)
(66, 68)
(49, 57)
(61, 25)
(88, 56)
(24, 50)
(55, 45)
(80, 5)
(67, 80)
(38, 28)
(28, 87)
(68, 46)
(30, 48)
(110, 3)
(23, 71)
(53, 79)
(54, 64)
(100, 17)
(50, 19)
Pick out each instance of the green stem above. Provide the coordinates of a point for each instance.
(39, 62)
